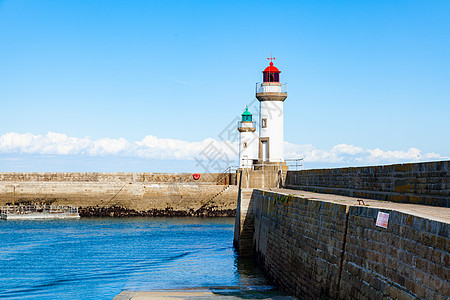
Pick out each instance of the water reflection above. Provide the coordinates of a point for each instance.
(249, 274)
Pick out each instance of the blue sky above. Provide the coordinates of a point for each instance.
(147, 85)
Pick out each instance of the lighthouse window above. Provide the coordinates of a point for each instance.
(271, 77)
(245, 144)
(264, 123)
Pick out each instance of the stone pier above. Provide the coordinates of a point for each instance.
(315, 245)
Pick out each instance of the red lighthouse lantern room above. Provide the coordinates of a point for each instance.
(271, 73)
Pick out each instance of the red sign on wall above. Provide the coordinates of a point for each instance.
(196, 176)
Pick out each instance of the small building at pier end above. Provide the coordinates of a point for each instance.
(265, 147)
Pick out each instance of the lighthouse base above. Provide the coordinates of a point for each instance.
(263, 175)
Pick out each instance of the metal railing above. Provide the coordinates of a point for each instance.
(269, 87)
(226, 173)
(294, 164)
(240, 124)
(29, 209)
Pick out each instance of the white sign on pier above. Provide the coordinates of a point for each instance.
(382, 219)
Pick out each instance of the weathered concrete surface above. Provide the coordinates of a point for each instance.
(417, 183)
(269, 175)
(317, 245)
(209, 294)
(441, 214)
(124, 194)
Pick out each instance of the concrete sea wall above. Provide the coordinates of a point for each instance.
(316, 249)
(418, 183)
(125, 194)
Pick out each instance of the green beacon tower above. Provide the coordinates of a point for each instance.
(248, 140)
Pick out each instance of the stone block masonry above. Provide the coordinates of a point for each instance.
(110, 177)
(317, 249)
(408, 260)
(417, 183)
(125, 194)
(244, 229)
(299, 242)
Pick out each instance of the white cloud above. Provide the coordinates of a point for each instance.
(149, 147)
(152, 147)
(350, 155)
(347, 149)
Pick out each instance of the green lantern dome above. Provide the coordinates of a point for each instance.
(246, 116)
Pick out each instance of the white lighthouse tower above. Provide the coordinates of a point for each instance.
(248, 140)
(271, 95)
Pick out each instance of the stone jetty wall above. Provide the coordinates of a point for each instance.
(418, 183)
(318, 250)
(125, 194)
(111, 177)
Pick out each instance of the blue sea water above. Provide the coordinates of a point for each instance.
(98, 258)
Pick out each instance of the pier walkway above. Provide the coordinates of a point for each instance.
(441, 214)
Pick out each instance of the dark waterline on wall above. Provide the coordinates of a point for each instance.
(117, 211)
(97, 258)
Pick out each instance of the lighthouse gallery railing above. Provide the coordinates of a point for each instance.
(271, 87)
